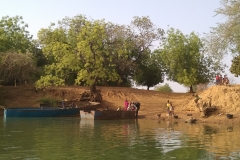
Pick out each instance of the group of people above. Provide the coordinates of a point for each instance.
(222, 80)
(132, 106)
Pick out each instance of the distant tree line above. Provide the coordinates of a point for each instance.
(82, 51)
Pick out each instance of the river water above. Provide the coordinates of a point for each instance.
(73, 138)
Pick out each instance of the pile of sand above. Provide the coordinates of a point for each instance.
(224, 98)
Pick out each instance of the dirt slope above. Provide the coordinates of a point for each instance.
(113, 97)
(224, 98)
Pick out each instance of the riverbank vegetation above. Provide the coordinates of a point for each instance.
(82, 51)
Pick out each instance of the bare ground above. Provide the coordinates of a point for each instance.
(224, 98)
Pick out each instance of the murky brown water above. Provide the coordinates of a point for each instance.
(72, 138)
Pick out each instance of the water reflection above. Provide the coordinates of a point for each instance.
(167, 139)
(73, 138)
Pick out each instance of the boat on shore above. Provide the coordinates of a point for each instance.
(48, 111)
(41, 112)
(106, 114)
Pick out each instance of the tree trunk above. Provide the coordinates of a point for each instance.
(147, 87)
(15, 83)
(95, 95)
(93, 88)
(191, 89)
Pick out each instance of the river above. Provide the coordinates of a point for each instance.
(73, 138)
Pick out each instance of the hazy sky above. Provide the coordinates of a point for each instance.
(185, 15)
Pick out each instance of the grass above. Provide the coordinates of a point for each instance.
(50, 102)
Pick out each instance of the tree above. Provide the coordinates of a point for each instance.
(224, 38)
(163, 88)
(185, 60)
(235, 67)
(14, 36)
(149, 72)
(93, 52)
(131, 44)
(16, 68)
(59, 47)
(78, 49)
(142, 36)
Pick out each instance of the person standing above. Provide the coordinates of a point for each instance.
(126, 103)
(217, 79)
(196, 98)
(168, 104)
(63, 103)
(137, 105)
(220, 81)
(171, 110)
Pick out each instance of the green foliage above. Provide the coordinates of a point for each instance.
(184, 59)
(50, 102)
(49, 80)
(95, 55)
(95, 52)
(224, 38)
(163, 88)
(59, 44)
(16, 68)
(149, 72)
(235, 67)
(143, 34)
(14, 36)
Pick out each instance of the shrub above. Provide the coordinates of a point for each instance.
(49, 102)
(163, 88)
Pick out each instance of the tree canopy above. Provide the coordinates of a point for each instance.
(150, 72)
(15, 41)
(94, 51)
(184, 59)
(224, 39)
(84, 51)
(14, 36)
(16, 68)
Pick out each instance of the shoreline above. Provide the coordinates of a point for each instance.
(183, 117)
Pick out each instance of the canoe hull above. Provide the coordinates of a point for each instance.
(106, 114)
(41, 112)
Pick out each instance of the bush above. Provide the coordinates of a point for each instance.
(49, 102)
(164, 88)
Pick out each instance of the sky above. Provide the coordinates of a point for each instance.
(185, 15)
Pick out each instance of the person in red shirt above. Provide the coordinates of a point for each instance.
(217, 79)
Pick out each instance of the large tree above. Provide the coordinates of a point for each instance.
(84, 50)
(95, 51)
(131, 44)
(143, 34)
(16, 68)
(14, 35)
(59, 47)
(149, 72)
(94, 48)
(185, 60)
(224, 39)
